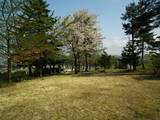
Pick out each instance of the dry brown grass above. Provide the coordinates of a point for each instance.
(92, 97)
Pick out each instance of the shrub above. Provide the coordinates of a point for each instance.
(19, 76)
(156, 64)
(16, 76)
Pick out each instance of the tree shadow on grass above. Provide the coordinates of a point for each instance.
(17, 77)
(147, 77)
(6, 84)
(87, 74)
(142, 115)
(105, 74)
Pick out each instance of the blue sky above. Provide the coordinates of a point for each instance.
(109, 12)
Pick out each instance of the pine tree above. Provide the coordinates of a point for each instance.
(128, 57)
(105, 61)
(151, 9)
(33, 34)
(130, 28)
(145, 25)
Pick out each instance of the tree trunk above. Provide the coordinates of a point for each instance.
(86, 63)
(50, 67)
(9, 70)
(75, 64)
(9, 62)
(83, 67)
(59, 68)
(41, 71)
(142, 57)
(133, 53)
(134, 67)
(79, 63)
(30, 70)
(104, 65)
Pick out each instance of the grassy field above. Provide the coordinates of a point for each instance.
(83, 97)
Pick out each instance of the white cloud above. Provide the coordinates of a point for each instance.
(114, 45)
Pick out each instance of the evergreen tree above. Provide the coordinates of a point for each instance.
(131, 29)
(34, 34)
(105, 61)
(128, 57)
(144, 21)
(151, 11)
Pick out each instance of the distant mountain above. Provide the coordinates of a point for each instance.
(117, 56)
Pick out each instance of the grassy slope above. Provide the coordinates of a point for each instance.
(98, 97)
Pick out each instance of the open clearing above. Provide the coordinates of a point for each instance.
(97, 97)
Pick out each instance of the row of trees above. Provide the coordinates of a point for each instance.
(30, 36)
(140, 21)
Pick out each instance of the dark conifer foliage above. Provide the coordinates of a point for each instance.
(35, 44)
(139, 22)
(105, 61)
(128, 58)
(131, 29)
